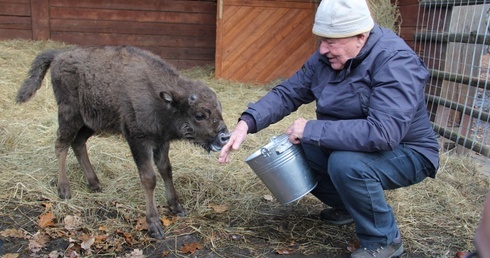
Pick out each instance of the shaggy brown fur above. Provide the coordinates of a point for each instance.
(133, 92)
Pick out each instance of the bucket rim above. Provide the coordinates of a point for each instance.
(274, 142)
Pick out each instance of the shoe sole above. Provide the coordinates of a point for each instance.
(340, 222)
(397, 253)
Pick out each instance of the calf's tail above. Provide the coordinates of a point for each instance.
(38, 70)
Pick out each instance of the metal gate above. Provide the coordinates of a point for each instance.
(452, 37)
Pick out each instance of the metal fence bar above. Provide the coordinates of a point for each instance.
(471, 38)
(450, 3)
(484, 116)
(462, 140)
(463, 79)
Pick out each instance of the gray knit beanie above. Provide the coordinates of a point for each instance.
(342, 18)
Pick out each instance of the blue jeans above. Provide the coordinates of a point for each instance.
(356, 181)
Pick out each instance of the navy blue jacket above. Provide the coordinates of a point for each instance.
(374, 104)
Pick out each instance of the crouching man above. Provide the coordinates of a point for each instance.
(372, 131)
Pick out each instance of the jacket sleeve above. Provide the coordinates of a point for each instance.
(398, 83)
(284, 98)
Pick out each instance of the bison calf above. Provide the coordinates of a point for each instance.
(133, 92)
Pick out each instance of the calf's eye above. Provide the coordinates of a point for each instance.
(199, 116)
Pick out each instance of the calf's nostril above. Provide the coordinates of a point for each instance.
(224, 137)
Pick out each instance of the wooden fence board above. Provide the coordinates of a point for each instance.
(149, 5)
(15, 1)
(128, 39)
(137, 28)
(6, 34)
(15, 22)
(135, 16)
(299, 4)
(183, 53)
(15, 9)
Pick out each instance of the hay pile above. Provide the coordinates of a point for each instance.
(226, 207)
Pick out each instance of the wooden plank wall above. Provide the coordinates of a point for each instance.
(181, 31)
(408, 19)
(259, 40)
(15, 19)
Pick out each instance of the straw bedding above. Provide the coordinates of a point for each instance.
(230, 213)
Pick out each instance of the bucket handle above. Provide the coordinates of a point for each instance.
(283, 146)
(265, 152)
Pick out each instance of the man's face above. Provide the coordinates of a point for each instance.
(339, 50)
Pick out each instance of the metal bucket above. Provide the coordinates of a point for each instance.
(283, 168)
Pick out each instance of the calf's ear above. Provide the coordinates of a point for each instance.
(166, 96)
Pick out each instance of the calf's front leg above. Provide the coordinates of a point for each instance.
(162, 162)
(142, 158)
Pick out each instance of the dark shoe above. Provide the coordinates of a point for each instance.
(336, 216)
(391, 250)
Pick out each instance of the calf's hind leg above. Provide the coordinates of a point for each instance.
(162, 162)
(80, 149)
(63, 182)
(67, 132)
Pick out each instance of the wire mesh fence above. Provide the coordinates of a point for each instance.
(453, 38)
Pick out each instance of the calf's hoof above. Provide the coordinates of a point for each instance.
(155, 229)
(64, 191)
(95, 188)
(177, 209)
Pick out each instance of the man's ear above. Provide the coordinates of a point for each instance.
(361, 39)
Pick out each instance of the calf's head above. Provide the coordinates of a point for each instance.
(198, 115)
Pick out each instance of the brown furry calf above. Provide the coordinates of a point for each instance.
(133, 92)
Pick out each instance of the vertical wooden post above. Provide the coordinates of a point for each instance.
(40, 19)
(219, 39)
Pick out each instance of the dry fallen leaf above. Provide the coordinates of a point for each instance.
(73, 254)
(47, 206)
(55, 254)
(10, 255)
(101, 238)
(218, 208)
(127, 236)
(73, 249)
(190, 248)
(268, 197)
(46, 220)
(136, 253)
(285, 251)
(141, 224)
(167, 222)
(88, 243)
(16, 233)
(353, 246)
(72, 222)
(37, 242)
(462, 254)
